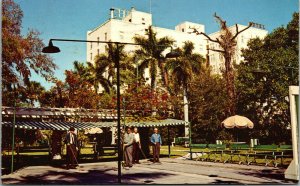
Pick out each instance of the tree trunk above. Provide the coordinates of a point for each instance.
(186, 111)
(145, 140)
(229, 75)
(56, 144)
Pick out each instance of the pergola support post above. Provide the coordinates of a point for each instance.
(190, 140)
(169, 148)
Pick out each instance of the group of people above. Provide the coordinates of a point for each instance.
(131, 147)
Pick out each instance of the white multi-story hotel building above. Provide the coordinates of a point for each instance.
(216, 60)
(123, 26)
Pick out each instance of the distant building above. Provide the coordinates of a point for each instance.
(124, 25)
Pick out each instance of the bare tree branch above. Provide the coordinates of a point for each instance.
(212, 40)
(216, 50)
(238, 32)
(199, 33)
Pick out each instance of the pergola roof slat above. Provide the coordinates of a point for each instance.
(60, 125)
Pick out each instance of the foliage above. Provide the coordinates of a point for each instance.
(21, 54)
(150, 55)
(103, 70)
(227, 43)
(75, 92)
(183, 68)
(263, 95)
(140, 99)
(207, 107)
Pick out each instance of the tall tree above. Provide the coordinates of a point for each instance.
(97, 75)
(182, 70)
(150, 55)
(207, 107)
(263, 94)
(103, 70)
(21, 54)
(227, 42)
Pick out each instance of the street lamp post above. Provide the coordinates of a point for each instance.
(53, 49)
(13, 132)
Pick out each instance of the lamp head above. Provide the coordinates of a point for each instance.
(50, 48)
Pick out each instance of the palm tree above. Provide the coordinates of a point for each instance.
(81, 70)
(103, 71)
(96, 76)
(182, 70)
(150, 55)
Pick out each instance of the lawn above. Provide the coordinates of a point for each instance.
(36, 157)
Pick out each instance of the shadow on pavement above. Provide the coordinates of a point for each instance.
(266, 173)
(90, 177)
(217, 181)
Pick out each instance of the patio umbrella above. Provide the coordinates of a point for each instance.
(238, 122)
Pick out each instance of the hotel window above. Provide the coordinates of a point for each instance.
(98, 39)
(91, 58)
(182, 30)
(105, 36)
(91, 45)
(98, 52)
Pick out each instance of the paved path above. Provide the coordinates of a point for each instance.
(171, 171)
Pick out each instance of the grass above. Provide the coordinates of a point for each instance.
(31, 158)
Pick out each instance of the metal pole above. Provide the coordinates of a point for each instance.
(13, 133)
(119, 113)
(190, 142)
(169, 148)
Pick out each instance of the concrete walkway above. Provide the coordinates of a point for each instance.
(170, 171)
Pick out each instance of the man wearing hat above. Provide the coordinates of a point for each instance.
(72, 147)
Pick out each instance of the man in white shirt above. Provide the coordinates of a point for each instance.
(136, 146)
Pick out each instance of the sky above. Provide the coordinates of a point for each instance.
(71, 19)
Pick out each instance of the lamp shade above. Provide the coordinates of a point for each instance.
(50, 48)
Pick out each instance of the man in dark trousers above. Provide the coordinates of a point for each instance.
(136, 146)
(156, 143)
(128, 141)
(72, 148)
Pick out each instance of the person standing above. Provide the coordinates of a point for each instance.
(156, 143)
(72, 148)
(128, 142)
(136, 146)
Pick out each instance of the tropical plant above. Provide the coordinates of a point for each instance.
(151, 56)
(263, 95)
(207, 107)
(21, 54)
(182, 70)
(227, 43)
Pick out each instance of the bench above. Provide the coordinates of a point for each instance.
(235, 150)
(285, 151)
(214, 150)
(268, 152)
(100, 150)
(202, 147)
(180, 141)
